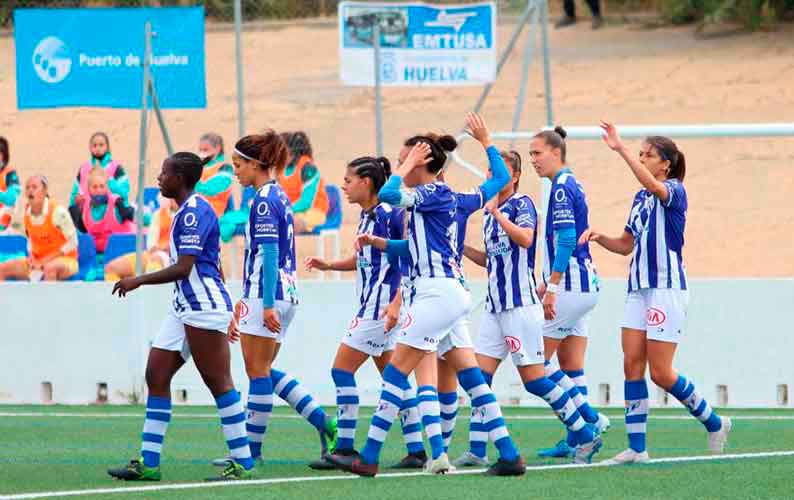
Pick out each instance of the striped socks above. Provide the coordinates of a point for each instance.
(636, 393)
(431, 418)
(391, 400)
(562, 405)
(478, 436)
(483, 399)
(260, 406)
(449, 413)
(230, 409)
(346, 408)
(158, 415)
(301, 401)
(411, 423)
(684, 391)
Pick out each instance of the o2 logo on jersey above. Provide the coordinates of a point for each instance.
(559, 195)
(656, 317)
(262, 209)
(190, 219)
(513, 343)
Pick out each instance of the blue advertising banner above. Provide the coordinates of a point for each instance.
(421, 44)
(94, 57)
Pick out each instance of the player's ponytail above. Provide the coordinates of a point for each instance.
(376, 170)
(440, 146)
(267, 149)
(556, 139)
(668, 151)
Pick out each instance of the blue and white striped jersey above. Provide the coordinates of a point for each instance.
(568, 209)
(195, 231)
(377, 276)
(467, 204)
(511, 268)
(270, 221)
(432, 232)
(658, 230)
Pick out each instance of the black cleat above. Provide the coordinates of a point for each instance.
(504, 468)
(343, 459)
(324, 463)
(412, 461)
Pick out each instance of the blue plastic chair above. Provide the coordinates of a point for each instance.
(13, 244)
(248, 197)
(86, 258)
(151, 198)
(118, 245)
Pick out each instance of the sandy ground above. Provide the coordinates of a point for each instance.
(740, 191)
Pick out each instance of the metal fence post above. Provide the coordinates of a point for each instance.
(378, 97)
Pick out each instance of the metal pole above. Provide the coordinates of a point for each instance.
(160, 119)
(544, 42)
(147, 53)
(378, 97)
(238, 60)
(522, 91)
(506, 53)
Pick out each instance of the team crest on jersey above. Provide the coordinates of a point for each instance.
(655, 317)
(513, 343)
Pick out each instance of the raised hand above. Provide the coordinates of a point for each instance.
(610, 135)
(418, 156)
(475, 127)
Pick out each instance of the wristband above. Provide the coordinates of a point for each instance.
(552, 288)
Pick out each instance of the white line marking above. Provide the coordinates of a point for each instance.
(186, 486)
(298, 417)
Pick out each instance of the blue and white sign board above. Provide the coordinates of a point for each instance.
(421, 44)
(94, 57)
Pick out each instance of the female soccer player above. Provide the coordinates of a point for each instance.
(270, 296)
(201, 313)
(438, 300)
(372, 330)
(658, 296)
(571, 285)
(513, 319)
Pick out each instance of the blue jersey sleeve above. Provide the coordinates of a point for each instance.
(469, 203)
(677, 195)
(396, 225)
(192, 230)
(525, 214)
(561, 206)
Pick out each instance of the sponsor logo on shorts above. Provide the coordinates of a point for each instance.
(244, 310)
(408, 321)
(430, 340)
(354, 324)
(513, 343)
(656, 317)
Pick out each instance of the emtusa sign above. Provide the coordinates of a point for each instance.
(94, 57)
(422, 45)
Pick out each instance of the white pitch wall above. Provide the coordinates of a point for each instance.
(76, 335)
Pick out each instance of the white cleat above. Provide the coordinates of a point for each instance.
(717, 440)
(440, 465)
(603, 424)
(469, 459)
(628, 456)
(584, 452)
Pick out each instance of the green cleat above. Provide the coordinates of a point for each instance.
(332, 433)
(233, 472)
(136, 471)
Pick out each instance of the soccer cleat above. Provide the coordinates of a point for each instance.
(225, 461)
(412, 461)
(343, 459)
(469, 459)
(560, 450)
(329, 432)
(628, 456)
(366, 470)
(136, 471)
(717, 440)
(233, 472)
(439, 465)
(584, 452)
(504, 468)
(603, 424)
(324, 463)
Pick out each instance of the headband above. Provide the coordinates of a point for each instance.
(243, 155)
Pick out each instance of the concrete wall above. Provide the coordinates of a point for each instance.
(76, 335)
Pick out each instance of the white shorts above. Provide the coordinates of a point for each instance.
(252, 318)
(172, 335)
(459, 337)
(368, 336)
(660, 312)
(437, 306)
(517, 331)
(573, 314)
